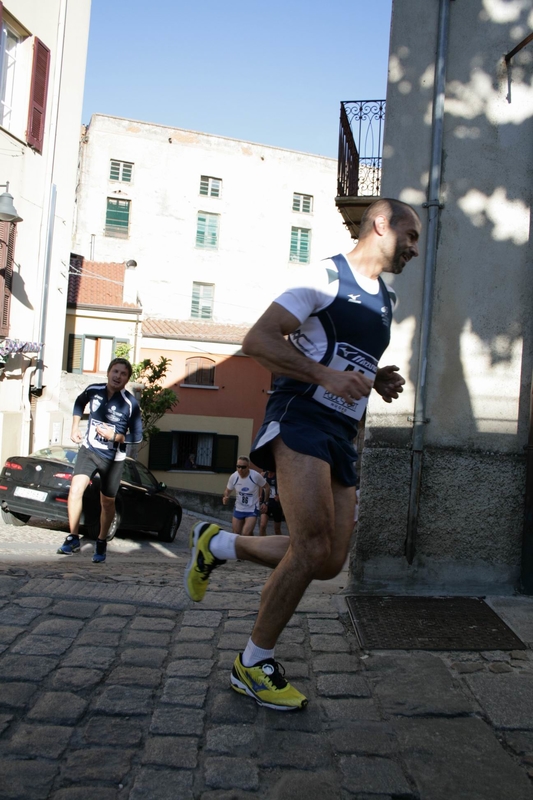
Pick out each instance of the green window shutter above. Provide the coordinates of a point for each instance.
(300, 245)
(306, 203)
(117, 218)
(204, 185)
(127, 169)
(207, 231)
(215, 187)
(296, 201)
(114, 172)
(226, 453)
(160, 452)
(75, 353)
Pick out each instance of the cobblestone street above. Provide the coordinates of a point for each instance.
(115, 685)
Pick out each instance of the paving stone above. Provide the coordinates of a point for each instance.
(143, 656)
(290, 652)
(194, 668)
(42, 645)
(26, 668)
(233, 739)
(230, 773)
(202, 619)
(150, 611)
(374, 775)
(15, 615)
(338, 711)
(152, 784)
(40, 741)
(231, 794)
(506, 699)
(16, 695)
(103, 639)
(124, 700)
(432, 691)
(74, 608)
(146, 639)
(232, 641)
(179, 721)
(286, 750)
(300, 786)
(107, 624)
(152, 624)
(113, 731)
(26, 780)
(179, 752)
(365, 738)
(459, 759)
(500, 667)
(185, 693)
(59, 707)
(467, 667)
(99, 763)
(5, 719)
(33, 602)
(496, 655)
(519, 655)
(291, 636)
(329, 626)
(118, 610)
(328, 644)
(8, 633)
(308, 720)
(225, 661)
(135, 676)
(58, 627)
(75, 678)
(520, 742)
(342, 685)
(3, 648)
(83, 792)
(193, 650)
(340, 662)
(242, 626)
(95, 657)
(194, 634)
(230, 706)
(296, 670)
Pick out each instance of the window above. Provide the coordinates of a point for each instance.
(210, 187)
(202, 300)
(9, 43)
(8, 232)
(199, 371)
(120, 171)
(213, 452)
(117, 218)
(300, 245)
(302, 202)
(207, 230)
(91, 353)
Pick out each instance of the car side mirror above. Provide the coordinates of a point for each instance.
(161, 486)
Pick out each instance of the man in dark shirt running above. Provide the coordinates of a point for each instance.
(113, 411)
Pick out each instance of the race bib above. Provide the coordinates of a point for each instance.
(94, 439)
(348, 359)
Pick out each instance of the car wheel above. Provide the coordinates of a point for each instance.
(115, 525)
(170, 529)
(12, 518)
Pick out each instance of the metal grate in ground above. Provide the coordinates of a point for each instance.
(429, 623)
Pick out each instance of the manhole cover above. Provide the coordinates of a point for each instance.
(429, 623)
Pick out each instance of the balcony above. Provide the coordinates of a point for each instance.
(360, 157)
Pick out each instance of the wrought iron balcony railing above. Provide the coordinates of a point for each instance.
(360, 148)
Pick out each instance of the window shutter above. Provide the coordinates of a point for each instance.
(75, 353)
(38, 94)
(226, 453)
(8, 232)
(160, 453)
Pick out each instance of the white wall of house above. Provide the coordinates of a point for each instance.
(481, 349)
(63, 27)
(251, 263)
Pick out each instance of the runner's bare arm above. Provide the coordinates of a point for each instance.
(266, 343)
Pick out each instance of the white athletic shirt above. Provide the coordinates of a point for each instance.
(247, 490)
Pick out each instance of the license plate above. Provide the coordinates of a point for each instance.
(30, 494)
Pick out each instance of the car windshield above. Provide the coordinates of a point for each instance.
(58, 453)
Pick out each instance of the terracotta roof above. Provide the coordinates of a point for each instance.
(196, 331)
(96, 283)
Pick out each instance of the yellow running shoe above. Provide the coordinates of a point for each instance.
(202, 561)
(266, 684)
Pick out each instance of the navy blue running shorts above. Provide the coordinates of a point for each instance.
(110, 471)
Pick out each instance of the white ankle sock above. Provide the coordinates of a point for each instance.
(223, 545)
(253, 654)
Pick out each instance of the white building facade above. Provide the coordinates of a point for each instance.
(216, 226)
(42, 61)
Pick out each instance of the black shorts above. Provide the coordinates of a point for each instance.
(308, 429)
(275, 511)
(110, 471)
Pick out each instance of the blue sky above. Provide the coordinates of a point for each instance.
(270, 72)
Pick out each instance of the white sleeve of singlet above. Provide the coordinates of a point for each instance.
(313, 292)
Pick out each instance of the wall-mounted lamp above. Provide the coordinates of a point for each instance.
(8, 212)
(131, 263)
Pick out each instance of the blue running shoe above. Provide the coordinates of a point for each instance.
(98, 558)
(100, 553)
(70, 546)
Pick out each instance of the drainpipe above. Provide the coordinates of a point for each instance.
(39, 372)
(433, 206)
(526, 575)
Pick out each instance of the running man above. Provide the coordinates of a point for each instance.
(271, 507)
(247, 485)
(113, 411)
(325, 340)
